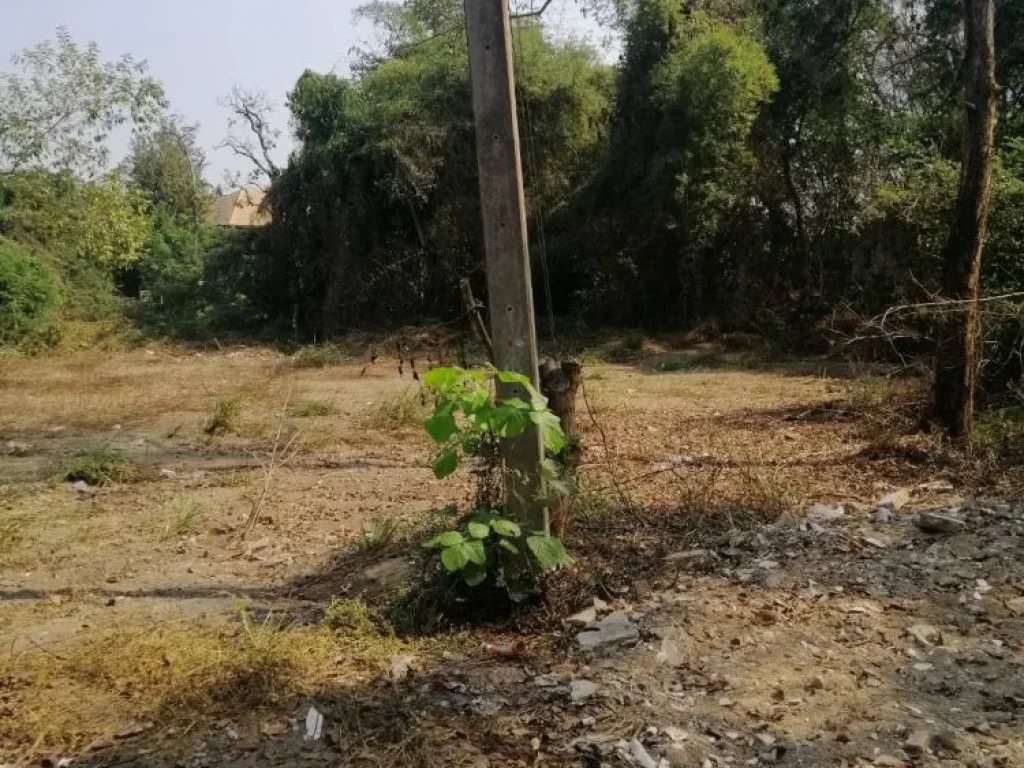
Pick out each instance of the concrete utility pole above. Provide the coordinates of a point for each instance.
(503, 209)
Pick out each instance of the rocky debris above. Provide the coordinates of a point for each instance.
(581, 690)
(824, 513)
(918, 743)
(615, 629)
(925, 634)
(882, 515)
(643, 758)
(670, 655)
(894, 501)
(583, 618)
(689, 557)
(676, 735)
(937, 522)
(596, 745)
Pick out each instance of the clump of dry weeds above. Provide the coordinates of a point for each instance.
(185, 675)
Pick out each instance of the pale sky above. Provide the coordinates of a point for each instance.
(199, 49)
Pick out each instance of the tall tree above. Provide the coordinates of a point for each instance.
(60, 105)
(957, 355)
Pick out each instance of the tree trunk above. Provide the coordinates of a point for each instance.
(957, 354)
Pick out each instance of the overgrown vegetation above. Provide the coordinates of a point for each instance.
(785, 169)
(98, 466)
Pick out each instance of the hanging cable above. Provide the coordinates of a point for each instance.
(523, 107)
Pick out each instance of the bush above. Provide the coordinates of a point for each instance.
(98, 466)
(29, 293)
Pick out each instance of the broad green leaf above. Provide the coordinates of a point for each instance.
(549, 552)
(440, 378)
(550, 430)
(445, 463)
(511, 377)
(506, 544)
(479, 530)
(454, 558)
(508, 422)
(474, 575)
(516, 403)
(448, 539)
(441, 425)
(474, 552)
(506, 528)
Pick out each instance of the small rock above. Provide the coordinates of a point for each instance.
(583, 618)
(823, 513)
(896, 500)
(725, 701)
(581, 690)
(132, 730)
(690, 556)
(401, 666)
(888, 761)
(882, 515)
(934, 522)
(643, 757)
(615, 629)
(675, 734)
(925, 634)
(670, 655)
(165, 472)
(596, 745)
(918, 743)
(601, 606)
(945, 741)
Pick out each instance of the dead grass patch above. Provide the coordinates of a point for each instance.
(184, 675)
(404, 411)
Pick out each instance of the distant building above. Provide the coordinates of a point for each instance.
(241, 208)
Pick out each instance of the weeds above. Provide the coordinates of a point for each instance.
(98, 466)
(318, 356)
(405, 410)
(225, 414)
(313, 409)
(381, 533)
(10, 536)
(184, 515)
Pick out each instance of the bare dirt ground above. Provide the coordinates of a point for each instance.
(239, 576)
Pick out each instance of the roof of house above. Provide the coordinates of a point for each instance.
(241, 208)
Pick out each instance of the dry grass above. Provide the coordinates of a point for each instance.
(183, 674)
(404, 411)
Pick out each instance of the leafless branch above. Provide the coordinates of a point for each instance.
(256, 139)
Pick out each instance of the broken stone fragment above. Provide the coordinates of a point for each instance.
(935, 522)
(613, 630)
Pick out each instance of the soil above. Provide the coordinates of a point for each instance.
(768, 633)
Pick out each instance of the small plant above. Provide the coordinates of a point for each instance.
(318, 356)
(381, 533)
(466, 416)
(397, 412)
(225, 414)
(468, 421)
(491, 547)
(349, 617)
(313, 409)
(672, 364)
(185, 513)
(96, 466)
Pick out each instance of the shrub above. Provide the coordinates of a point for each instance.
(225, 414)
(96, 466)
(29, 293)
(318, 356)
(396, 412)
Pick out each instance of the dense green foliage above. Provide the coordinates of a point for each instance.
(28, 294)
(784, 167)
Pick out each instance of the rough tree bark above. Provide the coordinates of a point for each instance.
(559, 383)
(957, 354)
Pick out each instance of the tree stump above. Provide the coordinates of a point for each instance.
(559, 383)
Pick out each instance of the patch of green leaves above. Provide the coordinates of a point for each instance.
(490, 548)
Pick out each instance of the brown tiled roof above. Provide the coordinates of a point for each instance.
(241, 208)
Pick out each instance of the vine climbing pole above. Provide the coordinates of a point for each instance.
(503, 209)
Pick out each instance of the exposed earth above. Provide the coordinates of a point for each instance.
(773, 568)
